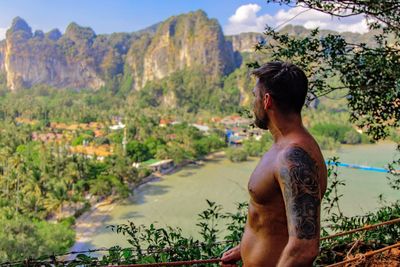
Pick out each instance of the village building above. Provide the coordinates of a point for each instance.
(20, 120)
(118, 126)
(201, 127)
(47, 137)
(161, 166)
(98, 152)
(235, 120)
(164, 122)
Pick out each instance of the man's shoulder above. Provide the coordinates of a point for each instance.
(302, 144)
(296, 151)
(300, 156)
(301, 161)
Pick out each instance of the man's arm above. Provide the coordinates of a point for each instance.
(298, 179)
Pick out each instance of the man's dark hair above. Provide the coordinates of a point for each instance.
(285, 82)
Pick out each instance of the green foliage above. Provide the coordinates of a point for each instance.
(394, 174)
(143, 172)
(191, 89)
(126, 85)
(188, 143)
(116, 137)
(104, 185)
(88, 118)
(80, 139)
(137, 151)
(208, 144)
(236, 154)
(326, 142)
(365, 139)
(256, 148)
(101, 140)
(177, 153)
(395, 135)
(23, 238)
(150, 244)
(154, 244)
(331, 203)
(339, 133)
(152, 143)
(352, 137)
(38, 180)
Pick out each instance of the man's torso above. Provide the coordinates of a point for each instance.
(266, 232)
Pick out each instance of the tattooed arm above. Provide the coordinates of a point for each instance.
(298, 179)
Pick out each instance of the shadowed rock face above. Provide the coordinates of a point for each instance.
(81, 59)
(53, 35)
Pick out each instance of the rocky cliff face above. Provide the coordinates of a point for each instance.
(186, 41)
(31, 59)
(81, 59)
(245, 42)
(2, 54)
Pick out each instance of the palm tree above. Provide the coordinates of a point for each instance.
(56, 198)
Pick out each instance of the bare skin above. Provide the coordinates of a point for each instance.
(286, 189)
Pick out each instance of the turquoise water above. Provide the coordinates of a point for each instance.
(176, 199)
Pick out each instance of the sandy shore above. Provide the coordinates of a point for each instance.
(87, 224)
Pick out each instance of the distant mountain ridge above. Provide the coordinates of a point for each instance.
(80, 58)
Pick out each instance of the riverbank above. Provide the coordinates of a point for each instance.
(90, 221)
(87, 224)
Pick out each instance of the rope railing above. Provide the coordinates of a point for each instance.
(53, 258)
(368, 254)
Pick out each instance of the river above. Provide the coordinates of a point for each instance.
(176, 199)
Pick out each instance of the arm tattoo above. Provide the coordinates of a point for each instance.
(301, 193)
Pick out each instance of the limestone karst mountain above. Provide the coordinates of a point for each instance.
(81, 59)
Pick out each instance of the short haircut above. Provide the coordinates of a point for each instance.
(285, 82)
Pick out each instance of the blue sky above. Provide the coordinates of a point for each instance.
(106, 16)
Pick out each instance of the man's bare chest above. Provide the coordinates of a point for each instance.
(263, 187)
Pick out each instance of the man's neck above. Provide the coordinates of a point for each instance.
(281, 125)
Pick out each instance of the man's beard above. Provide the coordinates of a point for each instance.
(261, 122)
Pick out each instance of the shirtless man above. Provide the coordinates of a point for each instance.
(286, 187)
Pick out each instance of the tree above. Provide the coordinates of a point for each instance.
(137, 151)
(370, 74)
(386, 12)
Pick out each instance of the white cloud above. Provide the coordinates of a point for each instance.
(360, 27)
(3, 33)
(246, 19)
(312, 24)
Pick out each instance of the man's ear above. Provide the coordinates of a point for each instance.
(267, 101)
